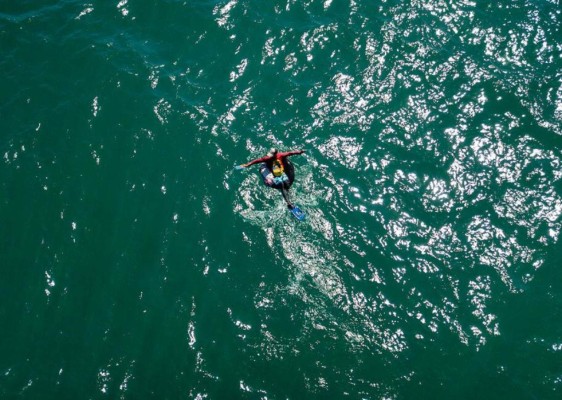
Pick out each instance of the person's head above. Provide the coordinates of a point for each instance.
(272, 152)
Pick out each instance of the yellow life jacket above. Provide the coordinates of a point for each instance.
(277, 168)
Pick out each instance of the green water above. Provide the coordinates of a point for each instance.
(136, 264)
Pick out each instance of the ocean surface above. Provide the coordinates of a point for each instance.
(135, 263)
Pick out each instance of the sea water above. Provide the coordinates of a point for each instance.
(135, 263)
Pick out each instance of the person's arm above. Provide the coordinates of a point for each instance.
(256, 161)
(291, 153)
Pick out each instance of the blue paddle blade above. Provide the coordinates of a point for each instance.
(298, 213)
(238, 167)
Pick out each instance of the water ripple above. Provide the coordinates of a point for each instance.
(439, 189)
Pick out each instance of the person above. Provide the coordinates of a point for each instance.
(277, 171)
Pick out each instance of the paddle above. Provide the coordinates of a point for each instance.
(298, 213)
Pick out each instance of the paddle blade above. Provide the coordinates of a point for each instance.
(298, 213)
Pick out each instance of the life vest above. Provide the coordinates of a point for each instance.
(277, 168)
